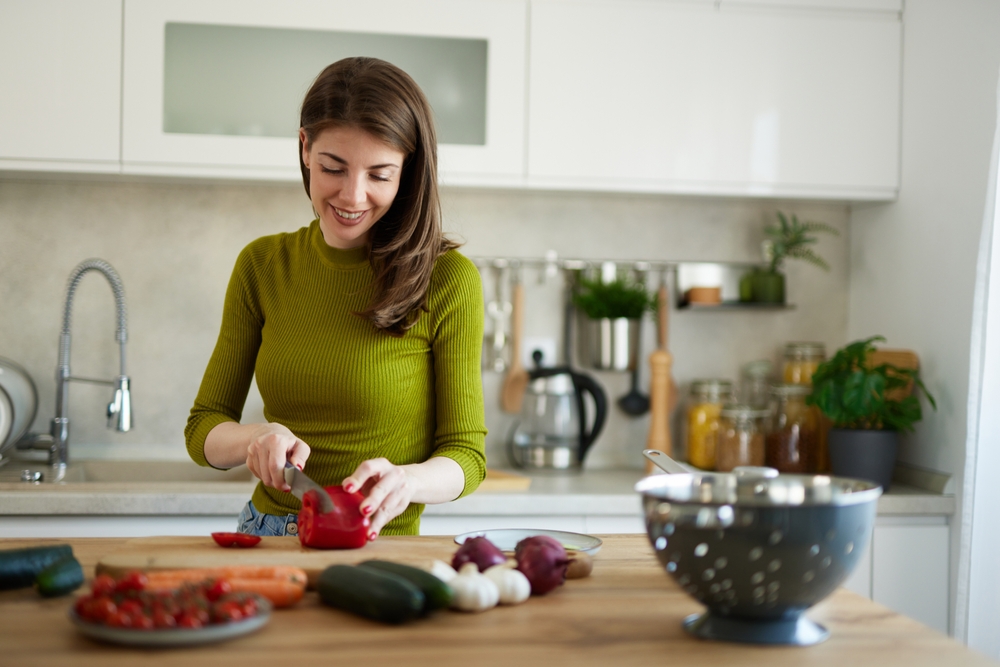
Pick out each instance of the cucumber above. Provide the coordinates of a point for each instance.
(60, 578)
(374, 594)
(19, 567)
(437, 594)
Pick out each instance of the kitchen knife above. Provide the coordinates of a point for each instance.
(301, 483)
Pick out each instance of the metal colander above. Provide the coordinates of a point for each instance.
(758, 551)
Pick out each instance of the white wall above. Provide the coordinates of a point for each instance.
(174, 245)
(913, 261)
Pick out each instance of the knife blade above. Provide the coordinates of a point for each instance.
(301, 483)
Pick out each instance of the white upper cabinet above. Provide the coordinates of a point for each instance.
(214, 88)
(60, 84)
(734, 98)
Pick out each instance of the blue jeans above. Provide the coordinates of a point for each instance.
(253, 522)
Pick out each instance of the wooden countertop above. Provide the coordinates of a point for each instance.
(628, 612)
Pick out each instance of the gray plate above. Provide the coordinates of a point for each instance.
(174, 636)
(506, 539)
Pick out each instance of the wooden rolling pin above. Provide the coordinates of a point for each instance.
(659, 405)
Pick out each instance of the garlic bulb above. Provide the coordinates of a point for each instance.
(514, 587)
(443, 571)
(473, 591)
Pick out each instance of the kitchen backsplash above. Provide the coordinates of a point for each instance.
(174, 246)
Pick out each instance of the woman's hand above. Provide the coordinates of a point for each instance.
(270, 446)
(388, 490)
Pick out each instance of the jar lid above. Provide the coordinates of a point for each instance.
(711, 387)
(805, 350)
(741, 411)
(791, 389)
(759, 369)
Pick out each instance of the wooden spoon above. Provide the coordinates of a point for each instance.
(516, 380)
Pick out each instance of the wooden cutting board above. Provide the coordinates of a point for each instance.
(175, 553)
(497, 480)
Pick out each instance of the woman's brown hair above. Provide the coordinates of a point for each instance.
(384, 101)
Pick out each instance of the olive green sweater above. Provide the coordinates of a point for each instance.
(349, 391)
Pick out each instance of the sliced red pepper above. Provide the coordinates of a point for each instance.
(239, 540)
(343, 528)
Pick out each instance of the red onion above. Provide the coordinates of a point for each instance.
(543, 561)
(480, 551)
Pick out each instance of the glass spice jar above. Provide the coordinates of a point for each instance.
(755, 384)
(792, 441)
(801, 361)
(740, 438)
(703, 411)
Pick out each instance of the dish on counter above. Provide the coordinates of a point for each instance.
(208, 634)
(506, 539)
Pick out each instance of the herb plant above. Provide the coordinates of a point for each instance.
(855, 395)
(791, 238)
(620, 298)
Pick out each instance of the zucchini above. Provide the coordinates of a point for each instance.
(60, 578)
(374, 594)
(19, 567)
(437, 594)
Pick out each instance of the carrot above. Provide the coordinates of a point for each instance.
(281, 572)
(282, 585)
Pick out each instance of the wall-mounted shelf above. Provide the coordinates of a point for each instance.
(683, 275)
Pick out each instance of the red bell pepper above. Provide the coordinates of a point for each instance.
(343, 528)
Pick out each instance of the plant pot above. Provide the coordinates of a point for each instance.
(864, 454)
(768, 287)
(610, 344)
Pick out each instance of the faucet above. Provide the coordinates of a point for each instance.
(119, 410)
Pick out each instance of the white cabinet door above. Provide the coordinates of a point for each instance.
(151, 145)
(60, 84)
(910, 571)
(689, 97)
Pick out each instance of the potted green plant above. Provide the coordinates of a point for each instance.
(868, 405)
(788, 238)
(613, 311)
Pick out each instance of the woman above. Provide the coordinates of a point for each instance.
(364, 329)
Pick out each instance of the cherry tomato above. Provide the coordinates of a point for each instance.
(197, 612)
(226, 612)
(249, 607)
(120, 619)
(103, 584)
(130, 606)
(217, 589)
(163, 619)
(133, 581)
(101, 609)
(142, 621)
(189, 621)
(238, 540)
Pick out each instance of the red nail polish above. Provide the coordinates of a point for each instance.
(299, 466)
(372, 535)
(349, 488)
(367, 510)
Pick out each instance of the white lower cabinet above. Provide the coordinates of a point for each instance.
(905, 568)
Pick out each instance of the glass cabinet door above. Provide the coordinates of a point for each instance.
(215, 88)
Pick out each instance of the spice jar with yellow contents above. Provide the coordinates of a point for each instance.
(740, 439)
(703, 412)
(792, 440)
(801, 360)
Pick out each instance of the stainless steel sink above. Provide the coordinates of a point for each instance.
(137, 472)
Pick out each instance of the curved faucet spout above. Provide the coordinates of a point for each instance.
(119, 411)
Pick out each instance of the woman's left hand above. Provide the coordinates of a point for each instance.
(388, 490)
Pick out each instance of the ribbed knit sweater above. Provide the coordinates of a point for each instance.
(350, 391)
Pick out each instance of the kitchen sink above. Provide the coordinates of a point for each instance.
(138, 472)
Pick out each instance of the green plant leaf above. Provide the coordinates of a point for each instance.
(854, 395)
